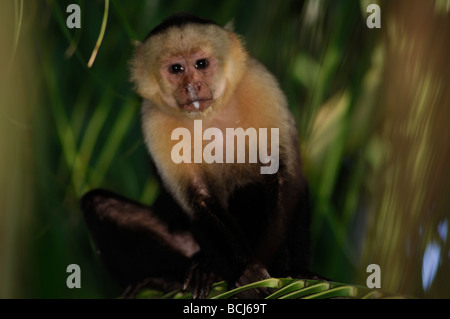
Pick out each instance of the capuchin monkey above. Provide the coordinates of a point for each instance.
(235, 220)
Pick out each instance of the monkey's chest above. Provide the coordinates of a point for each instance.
(202, 144)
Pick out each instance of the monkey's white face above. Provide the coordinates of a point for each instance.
(189, 70)
(189, 81)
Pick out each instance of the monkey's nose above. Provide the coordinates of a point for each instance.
(193, 94)
(193, 86)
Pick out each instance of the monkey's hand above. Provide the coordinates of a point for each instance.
(200, 277)
(253, 273)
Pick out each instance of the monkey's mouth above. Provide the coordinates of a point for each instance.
(196, 105)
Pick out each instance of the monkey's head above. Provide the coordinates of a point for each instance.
(188, 65)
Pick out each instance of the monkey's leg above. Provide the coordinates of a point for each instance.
(140, 246)
(255, 208)
(293, 254)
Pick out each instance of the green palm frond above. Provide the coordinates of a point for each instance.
(284, 288)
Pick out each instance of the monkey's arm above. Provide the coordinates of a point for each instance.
(222, 253)
(229, 238)
(138, 244)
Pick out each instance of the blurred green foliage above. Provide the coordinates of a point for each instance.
(86, 130)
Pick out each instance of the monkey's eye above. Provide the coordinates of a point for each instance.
(201, 64)
(176, 68)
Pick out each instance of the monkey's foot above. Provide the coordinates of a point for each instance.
(200, 278)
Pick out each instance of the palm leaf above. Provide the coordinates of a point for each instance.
(284, 288)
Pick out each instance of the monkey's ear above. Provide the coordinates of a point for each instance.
(136, 43)
(230, 25)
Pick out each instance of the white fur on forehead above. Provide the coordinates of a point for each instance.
(189, 38)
